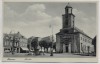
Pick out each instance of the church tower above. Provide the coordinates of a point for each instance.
(65, 38)
(70, 38)
(68, 17)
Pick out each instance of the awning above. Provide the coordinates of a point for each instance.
(24, 48)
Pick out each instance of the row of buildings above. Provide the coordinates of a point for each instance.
(17, 43)
(14, 42)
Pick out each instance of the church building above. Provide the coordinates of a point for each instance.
(70, 39)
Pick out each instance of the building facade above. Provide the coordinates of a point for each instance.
(23, 44)
(70, 39)
(14, 43)
(6, 43)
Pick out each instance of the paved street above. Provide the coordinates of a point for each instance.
(55, 55)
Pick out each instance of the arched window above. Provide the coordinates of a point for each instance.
(81, 38)
(5, 43)
(81, 46)
(69, 10)
(67, 23)
(10, 43)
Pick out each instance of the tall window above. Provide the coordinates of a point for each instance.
(85, 40)
(82, 47)
(10, 43)
(81, 38)
(72, 20)
(88, 41)
(69, 10)
(67, 23)
(5, 43)
(85, 47)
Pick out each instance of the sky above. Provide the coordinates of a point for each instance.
(34, 18)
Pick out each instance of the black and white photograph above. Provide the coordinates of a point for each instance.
(50, 29)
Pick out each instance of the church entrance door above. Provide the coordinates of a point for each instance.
(66, 48)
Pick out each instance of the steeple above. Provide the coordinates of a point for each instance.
(68, 5)
(68, 9)
(68, 17)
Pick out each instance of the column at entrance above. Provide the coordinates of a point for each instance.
(15, 50)
(64, 48)
(19, 49)
(69, 48)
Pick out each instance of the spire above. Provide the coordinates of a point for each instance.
(68, 5)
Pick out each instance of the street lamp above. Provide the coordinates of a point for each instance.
(52, 47)
(52, 42)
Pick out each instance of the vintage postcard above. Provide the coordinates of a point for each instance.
(50, 31)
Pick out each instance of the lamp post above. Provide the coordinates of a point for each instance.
(52, 41)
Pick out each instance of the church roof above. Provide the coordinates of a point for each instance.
(80, 31)
(68, 6)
